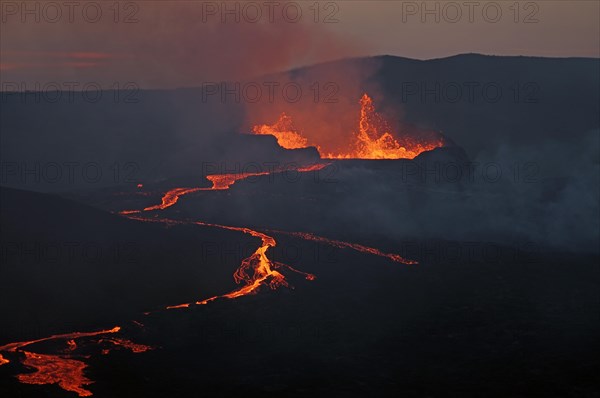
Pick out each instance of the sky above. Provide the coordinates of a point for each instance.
(165, 44)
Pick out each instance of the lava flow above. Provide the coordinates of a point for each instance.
(346, 245)
(257, 269)
(54, 369)
(254, 271)
(62, 369)
(219, 182)
(374, 139)
(3, 360)
(12, 347)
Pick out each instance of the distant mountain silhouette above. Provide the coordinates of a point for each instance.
(167, 133)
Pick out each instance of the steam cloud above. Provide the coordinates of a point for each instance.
(182, 45)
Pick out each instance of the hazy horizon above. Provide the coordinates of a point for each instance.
(189, 43)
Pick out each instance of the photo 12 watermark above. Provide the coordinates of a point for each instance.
(473, 173)
(69, 92)
(452, 12)
(471, 92)
(270, 92)
(71, 12)
(327, 12)
(68, 253)
(68, 172)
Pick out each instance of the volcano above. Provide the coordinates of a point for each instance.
(414, 251)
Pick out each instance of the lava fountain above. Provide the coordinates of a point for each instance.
(285, 132)
(374, 139)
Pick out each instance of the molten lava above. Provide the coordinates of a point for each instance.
(61, 369)
(53, 369)
(374, 139)
(254, 271)
(224, 181)
(127, 344)
(170, 198)
(3, 361)
(219, 182)
(13, 347)
(66, 371)
(284, 131)
(346, 245)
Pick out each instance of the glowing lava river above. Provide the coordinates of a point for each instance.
(66, 365)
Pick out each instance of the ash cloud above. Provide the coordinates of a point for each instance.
(547, 196)
(182, 45)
